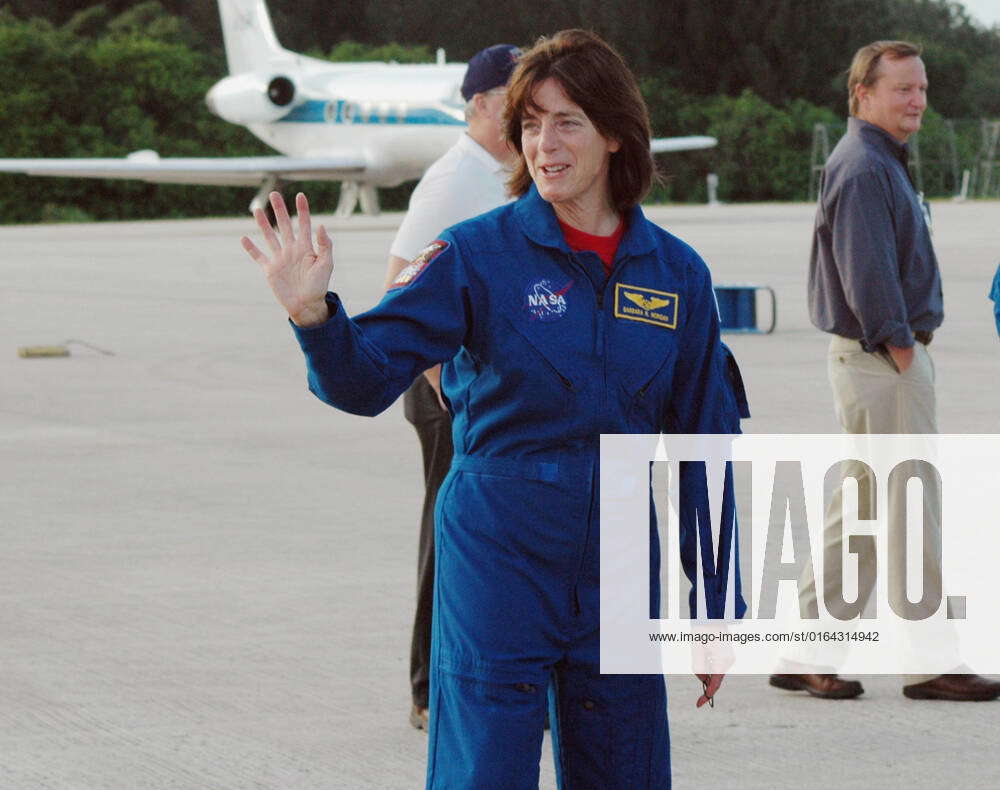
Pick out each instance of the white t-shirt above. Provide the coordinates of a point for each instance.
(465, 182)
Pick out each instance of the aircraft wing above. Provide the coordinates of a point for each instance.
(663, 145)
(243, 171)
(219, 171)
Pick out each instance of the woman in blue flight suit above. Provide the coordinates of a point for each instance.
(548, 346)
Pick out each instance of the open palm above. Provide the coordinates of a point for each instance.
(298, 273)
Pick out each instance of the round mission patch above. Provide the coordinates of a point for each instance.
(412, 270)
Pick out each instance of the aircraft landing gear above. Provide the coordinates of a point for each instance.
(268, 185)
(354, 192)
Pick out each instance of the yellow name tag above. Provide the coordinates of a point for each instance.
(644, 304)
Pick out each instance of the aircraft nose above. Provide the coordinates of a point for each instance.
(210, 101)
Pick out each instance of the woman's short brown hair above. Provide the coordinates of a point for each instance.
(864, 67)
(596, 78)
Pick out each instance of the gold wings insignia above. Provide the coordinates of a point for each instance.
(649, 304)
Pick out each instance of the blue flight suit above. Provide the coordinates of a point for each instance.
(546, 353)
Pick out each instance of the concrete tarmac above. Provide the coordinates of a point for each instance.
(207, 576)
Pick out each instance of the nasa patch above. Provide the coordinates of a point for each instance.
(545, 301)
(415, 268)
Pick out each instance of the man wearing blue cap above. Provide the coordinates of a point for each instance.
(468, 180)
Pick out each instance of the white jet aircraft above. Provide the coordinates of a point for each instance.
(367, 125)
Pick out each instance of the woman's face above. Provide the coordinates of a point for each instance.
(566, 156)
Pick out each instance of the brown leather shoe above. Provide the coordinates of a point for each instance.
(958, 688)
(822, 686)
(420, 718)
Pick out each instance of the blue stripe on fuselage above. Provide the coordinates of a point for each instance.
(341, 112)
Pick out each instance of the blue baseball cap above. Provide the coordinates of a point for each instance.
(489, 69)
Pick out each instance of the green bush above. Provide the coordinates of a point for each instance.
(124, 76)
(763, 152)
(53, 212)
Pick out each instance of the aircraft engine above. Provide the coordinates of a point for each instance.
(260, 97)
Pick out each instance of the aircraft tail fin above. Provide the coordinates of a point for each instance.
(248, 35)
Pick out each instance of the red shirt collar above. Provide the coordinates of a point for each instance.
(604, 246)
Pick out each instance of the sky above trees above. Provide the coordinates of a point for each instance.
(986, 12)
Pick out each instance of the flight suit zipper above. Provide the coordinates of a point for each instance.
(600, 325)
(600, 352)
(599, 298)
(617, 264)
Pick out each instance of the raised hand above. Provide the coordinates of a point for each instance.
(298, 274)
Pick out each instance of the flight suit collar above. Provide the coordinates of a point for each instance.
(539, 223)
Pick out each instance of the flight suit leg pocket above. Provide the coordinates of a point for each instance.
(612, 730)
(491, 731)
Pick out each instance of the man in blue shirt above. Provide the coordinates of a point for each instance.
(874, 285)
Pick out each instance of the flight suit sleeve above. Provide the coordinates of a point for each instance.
(362, 364)
(707, 397)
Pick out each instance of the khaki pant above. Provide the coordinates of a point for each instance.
(871, 396)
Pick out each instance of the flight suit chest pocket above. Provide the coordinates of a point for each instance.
(645, 325)
(643, 356)
(645, 379)
(540, 349)
(544, 331)
(647, 376)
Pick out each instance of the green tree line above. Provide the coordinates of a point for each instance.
(122, 75)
